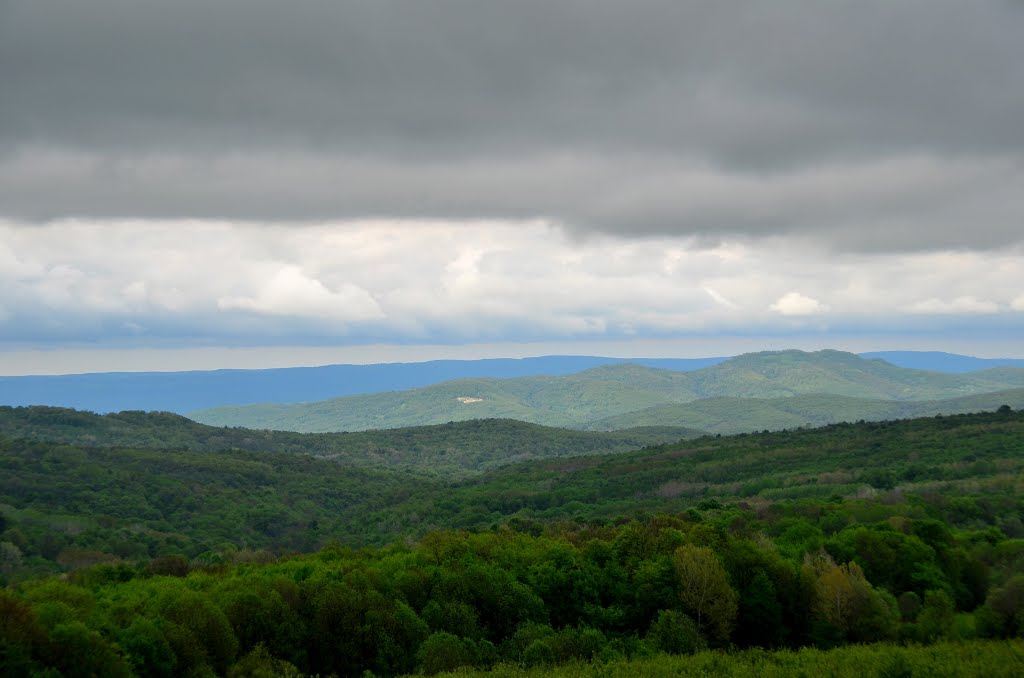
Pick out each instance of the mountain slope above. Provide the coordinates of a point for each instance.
(139, 503)
(447, 449)
(784, 373)
(738, 415)
(552, 401)
(610, 390)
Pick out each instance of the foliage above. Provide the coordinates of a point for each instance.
(452, 449)
(178, 562)
(704, 590)
(674, 632)
(959, 660)
(69, 507)
(460, 599)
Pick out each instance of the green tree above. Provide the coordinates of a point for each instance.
(760, 615)
(396, 632)
(147, 649)
(937, 616)
(704, 590)
(848, 602)
(198, 630)
(261, 664)
(76, 650)
(444, 651)
(910, 606)
(21, 636)
(453, 616)
(675, 633)
(1003, 613)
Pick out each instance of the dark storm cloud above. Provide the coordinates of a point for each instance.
(875, 124)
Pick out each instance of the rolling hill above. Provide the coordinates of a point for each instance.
(139, 502)
(447, 449)
(739, 415)
(598, 393)
(131, 544)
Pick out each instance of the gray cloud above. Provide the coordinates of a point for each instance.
(871, 125)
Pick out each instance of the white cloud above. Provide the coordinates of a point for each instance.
(963, 304)
(794, 303)
(392, 281)
(290, 292)
(1018, 303)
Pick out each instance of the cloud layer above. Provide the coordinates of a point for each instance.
(210, 283)
(866, 126)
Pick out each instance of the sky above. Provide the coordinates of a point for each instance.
(250, 183)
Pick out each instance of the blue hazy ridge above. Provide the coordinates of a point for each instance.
(187, 391)
(942, 362)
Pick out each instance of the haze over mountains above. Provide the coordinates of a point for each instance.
(594, 398)
(941, 361)
(183, 392)
(186, 391)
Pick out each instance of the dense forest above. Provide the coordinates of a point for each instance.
(449, 450)
(801, 543)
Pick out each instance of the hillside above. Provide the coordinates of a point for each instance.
(738, 415)
(964, 455)
(185, 563)
(552, 401)
(786, 373)
(131, 503)
(599, 393)
(449, 449)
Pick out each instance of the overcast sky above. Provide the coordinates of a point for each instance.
(184, 176)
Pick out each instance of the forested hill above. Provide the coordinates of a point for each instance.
(739, 415)
(124, 502)
(182, 562)
(449, 449)
(580, 399)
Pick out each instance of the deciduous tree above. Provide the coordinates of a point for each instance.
(704, 590)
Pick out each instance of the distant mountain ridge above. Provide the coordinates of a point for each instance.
(182, 392)
(940, 361)
(578, 400)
